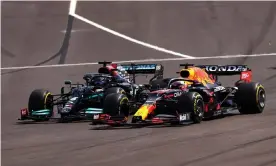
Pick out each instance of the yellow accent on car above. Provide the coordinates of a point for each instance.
(257, 92)
(45, 99)
(124, 98)
(142, 111)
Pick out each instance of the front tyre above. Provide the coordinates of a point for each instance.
(41, 99)
(192, 102)
(250, 98)
(116, 104)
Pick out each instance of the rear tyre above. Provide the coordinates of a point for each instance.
(116, 104)
(41, 99)
(250, 98)
(192, 102)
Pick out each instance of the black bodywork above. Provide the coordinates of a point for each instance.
(79, 96)
(81, 101)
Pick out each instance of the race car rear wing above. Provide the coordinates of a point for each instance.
(134, 69)
(222, 70)
(225, 70)
(142, 68)
(228, 70)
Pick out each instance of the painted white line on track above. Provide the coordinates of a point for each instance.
(129, 38)
(142, 60)
(72, 12)
(79, 30)
(72, 7)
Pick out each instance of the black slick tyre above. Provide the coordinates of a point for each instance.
(41, 99)
(116, 104)
(192, 102)
(250, 98)
(113, 90)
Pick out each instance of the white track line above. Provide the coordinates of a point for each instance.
(72, 7)
(143, 60)
(129, 38)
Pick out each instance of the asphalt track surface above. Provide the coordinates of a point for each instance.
(31, 33)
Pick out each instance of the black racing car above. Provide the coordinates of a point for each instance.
(83, 100)
(79, 101)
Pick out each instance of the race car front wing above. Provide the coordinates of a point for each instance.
(120, 121)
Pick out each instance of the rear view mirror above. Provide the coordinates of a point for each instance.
(67, 82)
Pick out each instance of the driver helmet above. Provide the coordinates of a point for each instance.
(108, 70)
(123, 73)
(99, 81)
(178, 85)
(112, 71)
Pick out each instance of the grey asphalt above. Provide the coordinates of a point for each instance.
(32, 32)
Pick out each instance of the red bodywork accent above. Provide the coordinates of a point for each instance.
(114, 65)
(151, 108)
(109, 69)
(246, 76)
(108, 119)
(110, 122)
(157, 120)
(104, 117)
(212, 77)
(211, 101)
(218, 107)
(183, 87)
(168, 96)
(206, 107)
(24, 112)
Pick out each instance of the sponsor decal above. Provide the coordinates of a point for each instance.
(177, 94)
(219, 88)
(24, 112)
(227, 68)
(140, 67)
(183, 117)
(158, 67)
(217, 113)
(96, 116)
(244, 76)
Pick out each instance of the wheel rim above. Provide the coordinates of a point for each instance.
(122, 107)
(261, 98)
(49, 101)
(199, 109)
